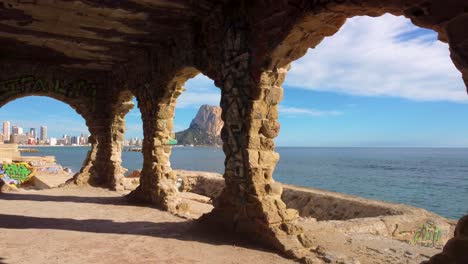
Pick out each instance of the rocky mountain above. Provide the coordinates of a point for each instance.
(205, 128)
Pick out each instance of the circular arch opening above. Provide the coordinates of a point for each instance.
(132, 157)
(51, 137)
(378, 82)
(198, 157)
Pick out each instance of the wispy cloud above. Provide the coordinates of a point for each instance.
(385, 56)
(295, 111)
(199, 90)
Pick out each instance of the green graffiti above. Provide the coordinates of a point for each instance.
(15, 173)
(428, 235)
(31, 84)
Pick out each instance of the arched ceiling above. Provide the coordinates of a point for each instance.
(91, 34)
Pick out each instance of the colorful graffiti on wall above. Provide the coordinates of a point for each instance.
(15, 173)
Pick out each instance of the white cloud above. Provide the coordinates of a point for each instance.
(385, 56)
(307, 112)
(199, 90)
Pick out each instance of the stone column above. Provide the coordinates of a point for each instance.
(157, 180)
(102, 166)
(84, 176)
(251, 201)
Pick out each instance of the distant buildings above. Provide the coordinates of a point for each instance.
(133, 142)
(32, 133)
(6, 131)
(52, 141)
(16, 135)
(43, 133)
(15, 130)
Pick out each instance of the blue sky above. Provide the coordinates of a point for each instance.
(377, 82)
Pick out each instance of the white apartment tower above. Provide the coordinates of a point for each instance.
(43, 133)
(6, 130)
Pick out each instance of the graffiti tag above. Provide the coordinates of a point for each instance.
(16, 173)
(427, 235)
(31, 84)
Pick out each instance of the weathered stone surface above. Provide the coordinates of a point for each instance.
(91, 54)
(455, 251)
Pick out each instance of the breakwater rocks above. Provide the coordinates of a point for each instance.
(28, 150)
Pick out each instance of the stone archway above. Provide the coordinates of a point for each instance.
(104, 121)
(103, 166)
(245, 47)
(157, 106)
(253, 63)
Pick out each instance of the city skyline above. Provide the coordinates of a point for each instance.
(9, 130)
(16, 134)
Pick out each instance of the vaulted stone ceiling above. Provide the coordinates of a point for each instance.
(91, 34)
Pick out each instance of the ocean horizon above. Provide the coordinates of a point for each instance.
(432, 178)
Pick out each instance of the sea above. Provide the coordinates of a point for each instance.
(435, 179)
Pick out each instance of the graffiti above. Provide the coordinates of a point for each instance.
(54, 170)
(31, 84)
(37, 163)
(16, 173)
(427, 235)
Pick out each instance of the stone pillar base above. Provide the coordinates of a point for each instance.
(160, 199)
(284, 236)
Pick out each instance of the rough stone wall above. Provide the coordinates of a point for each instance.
(91, 98)
(455, 250)
(157, 105)
(102, 166)
(246, 47)
(251, 200)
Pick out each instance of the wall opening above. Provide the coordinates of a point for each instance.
(374, 111)
(52, 139)
(198, 152)
(132, 157)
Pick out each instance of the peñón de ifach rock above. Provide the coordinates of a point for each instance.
(205, 128)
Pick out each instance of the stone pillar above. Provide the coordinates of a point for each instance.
(251, 201)
(102, 166)
(157, 180)
(84, 176)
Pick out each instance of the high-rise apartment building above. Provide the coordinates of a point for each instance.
(6, 130)
(32, 133)
(43, 133)
(14, 130)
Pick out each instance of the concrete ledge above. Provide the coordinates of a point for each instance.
(348, 213)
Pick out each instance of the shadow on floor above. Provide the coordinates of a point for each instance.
(71, 199)
(184, 231)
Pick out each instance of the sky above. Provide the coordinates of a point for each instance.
(378, 82)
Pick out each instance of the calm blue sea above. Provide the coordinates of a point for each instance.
(432, 178)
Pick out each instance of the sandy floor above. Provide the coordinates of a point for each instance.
(97, 226)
